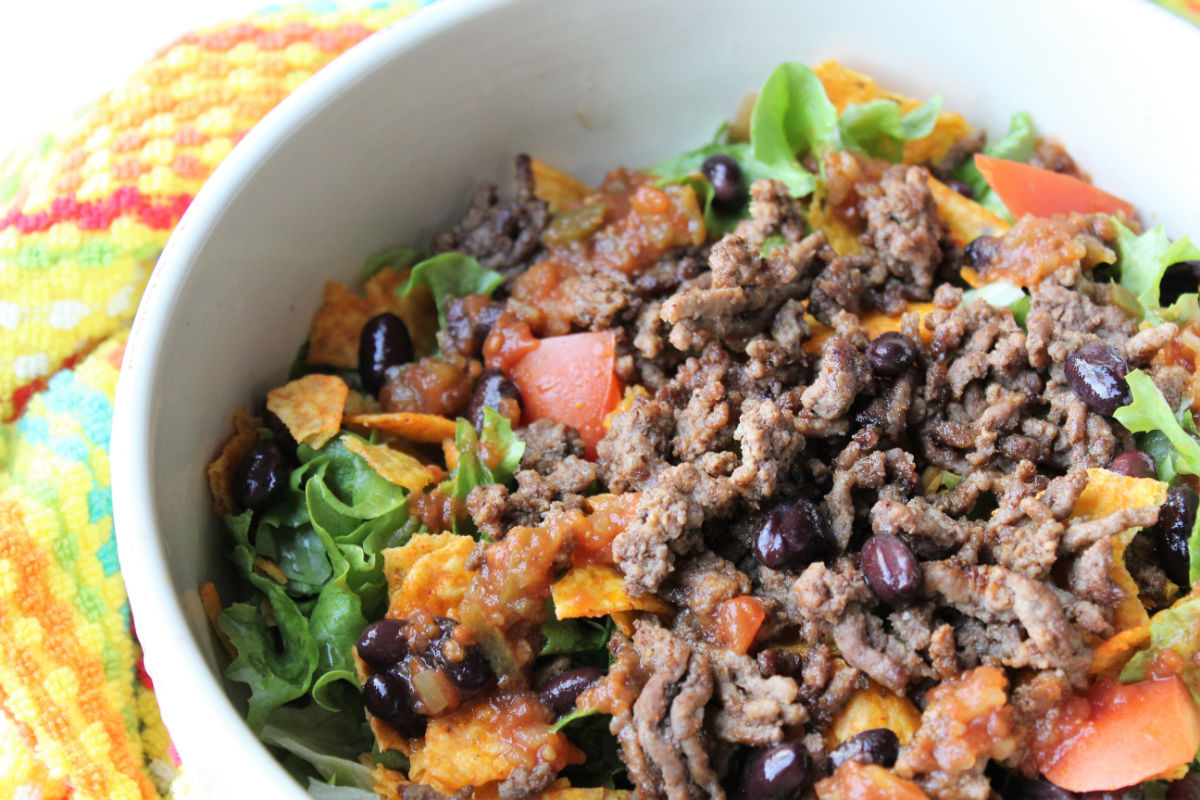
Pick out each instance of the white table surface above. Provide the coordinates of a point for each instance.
(56, 55)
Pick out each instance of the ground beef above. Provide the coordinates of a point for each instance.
(547, 443)
(500, 235)
(524, 782)
(904, 228)
(842, 373)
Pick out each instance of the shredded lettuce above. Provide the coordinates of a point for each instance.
(322, 741)
(878, 129)
(451, 275)
(398, 258)
(1149, 412)
(575, 636)
(1142, 262)
(603, 766)
(1178, 629)
(577, 714)
(1016, 145)
(792, 116)
(325, 534)
(472, 470)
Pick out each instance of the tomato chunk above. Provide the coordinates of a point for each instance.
(1041, 193)
(1130, 732)
(738, 620)
(571, 379)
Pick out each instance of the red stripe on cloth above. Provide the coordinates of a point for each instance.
(96, 215)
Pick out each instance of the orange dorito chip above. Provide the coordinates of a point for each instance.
(210, 603)
(846, 86)
(336, 328)
(487, 741)
(875, 707)
(416, 308)
(427, 428)
(428, 573)
(557, 188)
(593, 590)
(842, 239)
(391, 465)
(853, 780)
(310, 407)
(874, 323)
(966, 219)
(223, 468)
(579, 793)
(1113, 652)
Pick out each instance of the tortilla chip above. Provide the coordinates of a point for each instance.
(210, 603)
(875, 707)
(417, 308)
(310, 407)
(467, 748)
(842, 239)
(1129, 613)
(389, 784)
(593, 590)
(558, 189)
(580, 793)
(1111, 655)
(1107, 493)
(875, 323)
(225, 466)
(632, 393)
(427, 428)
(966, 219)
(428, 573)
(846, 86)
(359, 403)
(335, 330)
(391, 465)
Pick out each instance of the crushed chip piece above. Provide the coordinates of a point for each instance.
(593, 590)
(310, 407)
(389, 784)
(428, 573)
(1111, 655)
(584, 793)
(428, 428)
(269, 568)
(210, 603)
(417, 308)
(486, 741)
(390, 464)
(845, 86)
(875, 707)
(558, 189)
(225, 466)
(1129, 613)
(874, 323)
(853, 780)
(966, 219)
(359, 403)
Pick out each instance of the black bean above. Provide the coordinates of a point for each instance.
(794, 535)
(725, 176)
(261, 476)
(1186, 788)
(1135, 464)
(962, 187)
(283, 436)
(1181, 277)
(560, 692)
(891, 353)
(1175, 520)
(492, 388)
(981, 250)
(776, 773)
(877, 746)
(1096, 374)
(382, 643)
(891, 569)
(777, 661)
(385, 695)
(1021, 788)
(384, 343)
(470, 673)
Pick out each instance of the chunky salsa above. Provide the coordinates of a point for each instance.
(851, 455)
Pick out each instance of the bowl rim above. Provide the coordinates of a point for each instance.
(212, 738)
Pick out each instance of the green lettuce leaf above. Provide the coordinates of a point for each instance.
(685, 169)
(1143, 260)
(328, 744)
(1177, 629)
(577, 714)
(1016, 145)
(575, 635)
(791, 117)
(603, 766)
(451, 275)
(398, 258)
(471, 470)
(1149, 412)
(878, 129)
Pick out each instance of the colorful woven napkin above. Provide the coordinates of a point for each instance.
(83, 216)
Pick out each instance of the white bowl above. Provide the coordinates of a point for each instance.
(384, 146)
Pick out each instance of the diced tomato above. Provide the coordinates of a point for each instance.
(738, 620)
(1126, 734)
(1041, 193)
(571, 379)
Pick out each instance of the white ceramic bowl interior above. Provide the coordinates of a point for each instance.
(384, 146)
